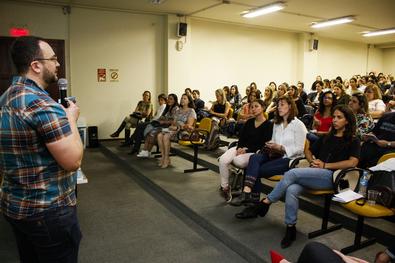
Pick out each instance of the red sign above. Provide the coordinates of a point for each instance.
(19, 31)
(101, 75)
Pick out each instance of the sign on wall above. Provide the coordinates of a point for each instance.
(114, 75)
(101, 75)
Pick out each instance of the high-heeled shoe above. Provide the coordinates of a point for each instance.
(253, 211)
(160, 163)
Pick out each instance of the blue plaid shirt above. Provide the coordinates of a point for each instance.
(33, 181)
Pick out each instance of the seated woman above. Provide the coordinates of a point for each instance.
(359, 106)
(143, 110)
(323, 117)
(376, 104)
(379, 142)
(184, 121)
(138, 135)
(255, 133)
(245, 98)
(268, 96)
(339, 149)
(235, 98)
(342, 97)
(271, 109)
(220, 107)
(152, 129)
(313, 98)
(288, 139)
(294, 93)
(199, 105)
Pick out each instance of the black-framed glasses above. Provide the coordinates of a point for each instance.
(55, 59)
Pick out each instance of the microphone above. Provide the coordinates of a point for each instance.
(62, 84)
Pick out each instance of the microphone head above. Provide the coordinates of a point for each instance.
(62, 84)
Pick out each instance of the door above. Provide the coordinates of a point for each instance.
(7, 71)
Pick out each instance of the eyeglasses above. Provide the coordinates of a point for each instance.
(54, 59)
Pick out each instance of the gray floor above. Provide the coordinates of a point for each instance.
(133, 211)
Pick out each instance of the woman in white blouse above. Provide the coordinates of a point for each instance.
(288, 139)
(376, 104)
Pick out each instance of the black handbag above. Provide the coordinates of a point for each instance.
(384, 183)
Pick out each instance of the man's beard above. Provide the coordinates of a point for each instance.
(49, 77)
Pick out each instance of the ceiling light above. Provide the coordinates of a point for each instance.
(332, 22)
(379, 32)
(270, 8)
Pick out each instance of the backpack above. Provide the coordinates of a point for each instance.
(212, 139)
(384, 183)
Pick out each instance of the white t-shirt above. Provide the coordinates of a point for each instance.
(376, 105)
(159, 112)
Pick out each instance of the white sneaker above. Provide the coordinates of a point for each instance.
(144, 154)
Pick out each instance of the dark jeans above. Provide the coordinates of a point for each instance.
(138, 135)
(54, 238)
(260, 165)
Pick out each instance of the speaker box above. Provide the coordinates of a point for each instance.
(313, 44)
(93, 137)
(182, 29)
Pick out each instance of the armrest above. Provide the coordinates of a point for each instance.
(339, 178)
(295, 162)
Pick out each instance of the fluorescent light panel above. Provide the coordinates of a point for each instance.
(379, 32)
(270, 8)
(332, 22)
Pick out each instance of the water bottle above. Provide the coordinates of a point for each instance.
(363, 183)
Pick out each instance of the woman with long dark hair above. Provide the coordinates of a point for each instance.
(339, 149)
(288, 139)
(255, 133)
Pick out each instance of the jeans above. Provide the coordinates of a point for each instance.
(53, 238)
(260, 166)
(293, 184)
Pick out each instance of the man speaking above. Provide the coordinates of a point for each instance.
(39, 148)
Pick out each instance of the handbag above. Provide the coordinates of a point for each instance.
(384, 183)
(272, 153)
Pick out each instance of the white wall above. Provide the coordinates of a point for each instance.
(344, 58)
(128, 42)
(389, 61)
(226, 54)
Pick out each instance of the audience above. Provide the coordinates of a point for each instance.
(376, 104)
(138, 135)
(220, 108)
(342, 97)
(359, 105)
(199, 105)
(314, 96)
(287, 142)
(143, 111)
(323, 117)
(235, 98)
(340, 149)
(255, 133)
(294, 93)
(379, 142)
(302, 93)
(183, 122)
(152, 129)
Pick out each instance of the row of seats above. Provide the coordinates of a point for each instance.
(351, 175)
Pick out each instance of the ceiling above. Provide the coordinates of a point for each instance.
(296, 17)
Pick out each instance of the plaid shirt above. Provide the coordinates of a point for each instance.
(33, 180)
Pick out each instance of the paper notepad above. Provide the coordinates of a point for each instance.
(346, 196)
